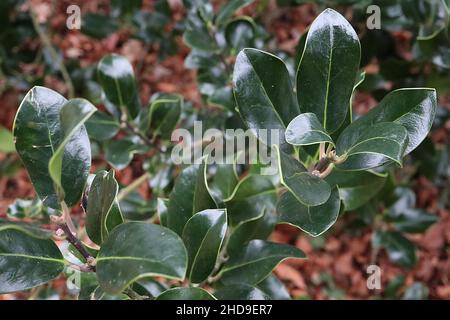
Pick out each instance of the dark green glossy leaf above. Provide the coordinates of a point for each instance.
(149, 287)
(412, 108)
(264, 93)
(328, 69)
(116, 76)
(399, 249)
(189, 195)
(313, 220)
(38, 132)
(185, 294)
(203, 236)
(228, 8)
(240, 292)
(103, 211)
(121, 261)
(306, 187)
(162, 207)
(73, 115)
(379, 144)
(27, 259)
(274, 288)
(6, 140)
(251, 197)
(165, 111)
(259, 227)
(255, 261)
(356, 188)
(306, 129)
(101, 126)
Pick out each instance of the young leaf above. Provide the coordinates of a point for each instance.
(189, 195)
(306, 129)
(378, 144)
(27, 258)
(73, 115)
(356, 188)
(328, 69)
(313, 220)
(103, 211)
(120, 261)
(399, 249)
(185, 294)
(264, 93)
(250, 198)
(414, 109)
(203, 236)
(240, 292)
(38, 132)
(255, 261)
(116, 77)
(306, 187)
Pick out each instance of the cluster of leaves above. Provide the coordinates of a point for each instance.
(214, 219)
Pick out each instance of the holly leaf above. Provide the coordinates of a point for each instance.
(121, 262)
(328, 69)
(103, 212)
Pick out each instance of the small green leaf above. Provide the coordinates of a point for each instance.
(412, 220)
(27, 258)
(313, 220)
(306, 129)
(309, 189)
(264, 92)
(73, 115)
(189, 195)
(185, 294)
(255, 261)
(399, 249)
(240, 292)
(136, 250)
(377, 145)
(38, 133)
(250, 198)
(6, 140)
(203, 236)
(119, 153)
(116, 76)
(103, 211)
(328, 69)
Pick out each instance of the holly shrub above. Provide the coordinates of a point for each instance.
(204, 235)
